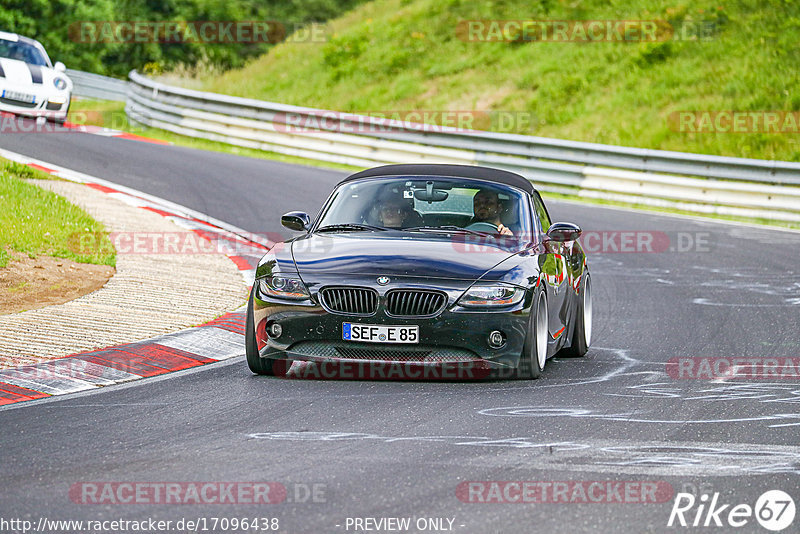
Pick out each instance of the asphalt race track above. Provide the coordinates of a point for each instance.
(400, 449)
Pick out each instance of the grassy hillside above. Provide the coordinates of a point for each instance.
(80, 34)
(407, 55)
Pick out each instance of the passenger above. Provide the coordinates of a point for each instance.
(394, 212)
(18, 53)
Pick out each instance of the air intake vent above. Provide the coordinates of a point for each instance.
(18, 103)
(349, 350)
(350, 300)
(414, 302)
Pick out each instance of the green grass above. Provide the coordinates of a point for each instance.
(399, 55)
(22, 171)
(34, 221)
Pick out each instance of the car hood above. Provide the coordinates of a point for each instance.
(397, 255)
(22, 74)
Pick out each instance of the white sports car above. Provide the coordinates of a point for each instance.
(29, 83)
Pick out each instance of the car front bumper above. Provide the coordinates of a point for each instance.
(452, 338)
(42, 107)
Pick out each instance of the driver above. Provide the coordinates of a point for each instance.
(486, 207)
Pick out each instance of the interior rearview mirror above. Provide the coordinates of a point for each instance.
(435, 195)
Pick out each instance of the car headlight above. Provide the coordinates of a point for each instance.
(283, 287)
(60, 83)
(491, 295)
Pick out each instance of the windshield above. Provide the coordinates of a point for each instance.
(430, 204)
(22, 52)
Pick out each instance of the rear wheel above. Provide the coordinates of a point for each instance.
(582, 330)
(534, 350)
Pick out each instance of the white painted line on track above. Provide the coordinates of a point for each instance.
(52, 386)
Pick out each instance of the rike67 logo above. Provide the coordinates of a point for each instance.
(774, 510)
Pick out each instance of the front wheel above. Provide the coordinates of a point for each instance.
(582, 330)
(534, 350)
(257, 364)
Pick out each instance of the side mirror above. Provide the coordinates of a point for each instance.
(564, 231)
(298, 221)
(60, 67)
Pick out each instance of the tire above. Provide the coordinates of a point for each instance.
(582, 330)
(257, 364)
(534, 350)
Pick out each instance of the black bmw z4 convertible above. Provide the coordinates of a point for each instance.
(423, 266)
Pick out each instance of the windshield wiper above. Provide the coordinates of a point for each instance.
(446, 229)
(350, 227)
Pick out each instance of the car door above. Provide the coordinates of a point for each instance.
(553, 264)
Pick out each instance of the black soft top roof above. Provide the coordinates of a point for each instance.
(457, 171)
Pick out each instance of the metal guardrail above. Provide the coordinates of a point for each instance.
(97, 86)
(692, 182)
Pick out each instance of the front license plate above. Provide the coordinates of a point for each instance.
(372, 333)
(19, 97)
